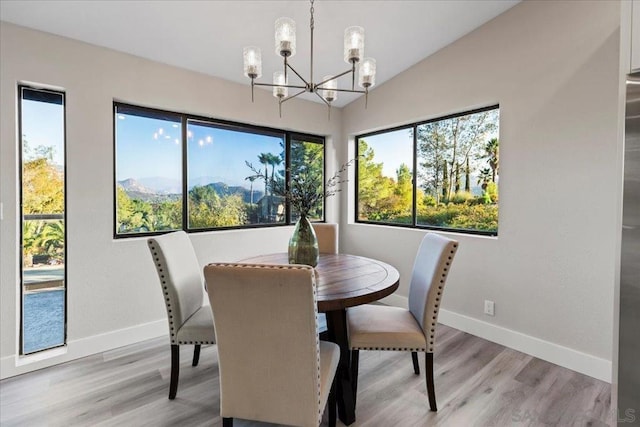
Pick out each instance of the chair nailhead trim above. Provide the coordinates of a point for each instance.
(160, 269)
(434, 316)
(315, 305)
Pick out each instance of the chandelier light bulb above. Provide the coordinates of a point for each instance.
(328, 88)
(367, 73)
(353, 44)
(279, 79)
(285, 37)
(252, 62)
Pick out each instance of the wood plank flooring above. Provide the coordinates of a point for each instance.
(478, 383)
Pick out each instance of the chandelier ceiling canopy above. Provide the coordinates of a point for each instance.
(327, 88)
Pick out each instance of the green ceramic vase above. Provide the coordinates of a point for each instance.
(303, 245)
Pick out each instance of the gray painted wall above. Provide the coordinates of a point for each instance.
(554, 69)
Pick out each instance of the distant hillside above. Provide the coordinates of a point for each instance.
(162, 185)
(225, 190)
(137, 190)
(131, 185)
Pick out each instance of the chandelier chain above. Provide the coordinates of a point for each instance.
(312, 10)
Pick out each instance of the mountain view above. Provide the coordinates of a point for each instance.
(158, 190)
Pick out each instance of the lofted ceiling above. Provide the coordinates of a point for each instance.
(208, 36)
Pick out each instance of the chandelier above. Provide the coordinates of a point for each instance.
(327, 89)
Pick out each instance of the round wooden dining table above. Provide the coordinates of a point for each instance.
(343, 281)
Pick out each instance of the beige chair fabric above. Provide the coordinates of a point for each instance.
(327, 234)
(378, 327)
(272, 366)
(188, 311)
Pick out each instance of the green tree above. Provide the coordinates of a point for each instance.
(454, 140)
(484, 178)
(492, 154)
(207, 209)
(445, 182)
(251, 178)
(432, 149)
(404, 190)
(167, 215)
(467, 177)
(307, 163)
(264, 159)
(42, 186)
(375, 191)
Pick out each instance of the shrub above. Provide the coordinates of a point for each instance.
(461, 197)
(481, 217)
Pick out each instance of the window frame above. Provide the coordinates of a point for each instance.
(413, 127)
(21, 88)
(286, 135)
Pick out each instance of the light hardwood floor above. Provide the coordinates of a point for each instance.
(478, 383)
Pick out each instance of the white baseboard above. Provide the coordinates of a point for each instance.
(575, 360)
(564, 356)
(75, 349)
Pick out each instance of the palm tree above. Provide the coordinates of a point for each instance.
(492, 150)
(252, 178)
(264, 159)
(485, 178)
(51, 239)
(274, 161)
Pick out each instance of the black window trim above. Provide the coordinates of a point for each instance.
(47, 95)
(413, 126)
(184, 119)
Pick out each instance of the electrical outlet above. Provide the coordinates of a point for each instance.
(489, 307)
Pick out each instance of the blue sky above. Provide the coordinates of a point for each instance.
(149, 148)
(221, 153)
(392, 148)
(43, 125)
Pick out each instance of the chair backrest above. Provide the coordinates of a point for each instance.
(430, 270)
(327, 234)
(268, 351)
(180, 277)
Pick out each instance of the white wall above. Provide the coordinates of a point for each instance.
(554, 69)
(113, 293)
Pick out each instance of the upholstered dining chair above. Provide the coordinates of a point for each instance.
(327, 235)
(379, 327)
(272, 366)
(188, 310)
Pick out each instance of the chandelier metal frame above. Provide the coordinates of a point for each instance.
(326, 93)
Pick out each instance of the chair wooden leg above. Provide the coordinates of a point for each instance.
(416, 366)
(227, 422)
(355, 358)
(332, 404)
(431, 391)
(196, 355)
(175, 370)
